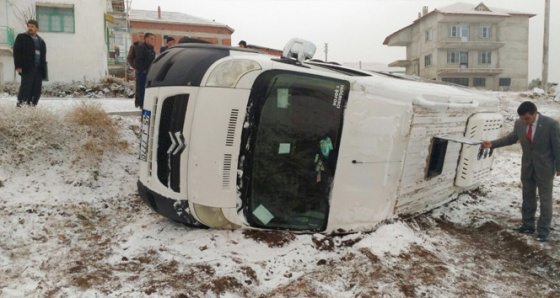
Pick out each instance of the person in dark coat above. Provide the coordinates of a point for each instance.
(145, 55)
(131, 56)
(170, 41)
(30, 60)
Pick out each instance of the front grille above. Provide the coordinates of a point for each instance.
(170, 138)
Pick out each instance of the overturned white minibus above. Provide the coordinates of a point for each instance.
(233, 138)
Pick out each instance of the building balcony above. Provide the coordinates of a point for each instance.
(470, 45)
(6, 39)
(463, 70)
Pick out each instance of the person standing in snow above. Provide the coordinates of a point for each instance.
(145, 55)
(131, 59)
(131, 56)
(539, 137)
(169, 42)
(30, 60)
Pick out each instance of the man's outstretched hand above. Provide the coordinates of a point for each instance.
(486, 144)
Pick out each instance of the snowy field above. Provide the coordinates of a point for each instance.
(73, 231)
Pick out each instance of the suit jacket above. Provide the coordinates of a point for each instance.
(541, 157)
(24, 54)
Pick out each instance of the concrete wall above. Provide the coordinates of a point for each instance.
(514, 56)
(213, 34)
(71, 56)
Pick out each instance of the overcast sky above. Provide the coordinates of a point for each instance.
(354, 29)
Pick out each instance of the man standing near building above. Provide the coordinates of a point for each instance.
(30, 60)
(539, 137)
(145, 54)
(170, 41)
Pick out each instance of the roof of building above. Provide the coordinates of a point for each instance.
(479, 9)
(465, 9)
(171, 17)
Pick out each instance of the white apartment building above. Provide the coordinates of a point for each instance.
(471, 45)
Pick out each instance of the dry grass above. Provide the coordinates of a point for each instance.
(86, 129)
(101, 133)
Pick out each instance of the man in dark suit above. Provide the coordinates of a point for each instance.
(539, 137)
(30, 60)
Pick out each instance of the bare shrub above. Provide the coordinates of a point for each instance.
(26, 130)
(84, 132)
(99, 130)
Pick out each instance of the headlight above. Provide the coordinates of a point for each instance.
(213, 217)
(227, 73)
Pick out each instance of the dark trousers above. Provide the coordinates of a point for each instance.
(30, 88)
(529, 206)
(140, 88)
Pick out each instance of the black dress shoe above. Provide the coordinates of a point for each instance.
(542, 238)
(524, 230)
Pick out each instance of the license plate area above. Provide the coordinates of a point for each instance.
(145, 135)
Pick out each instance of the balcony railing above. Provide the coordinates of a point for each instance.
(6, 36)
(470, 71)
(471, 45)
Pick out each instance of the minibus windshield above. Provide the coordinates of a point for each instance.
(294, 135)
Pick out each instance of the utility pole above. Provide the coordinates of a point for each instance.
(544, 80)
(326, 51)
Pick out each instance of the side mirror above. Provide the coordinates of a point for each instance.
(299, 49)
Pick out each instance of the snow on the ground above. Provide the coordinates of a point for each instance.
(75, 232)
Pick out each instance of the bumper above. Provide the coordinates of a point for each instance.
(173, 209)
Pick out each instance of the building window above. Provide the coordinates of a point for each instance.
(479, 82)
(427, 60)
(484, 57)
(458, 57)
(437, 157)
(505, 82)
(458, 31)
(429, 35)
(458, 81)
(485, 32)
(118, 5)
(56, 18)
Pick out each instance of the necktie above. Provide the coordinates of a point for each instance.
(530, 133)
